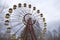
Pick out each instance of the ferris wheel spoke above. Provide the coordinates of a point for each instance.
(16, 25)
(16, 20)
(19, 29)
(36, 15)
(2, 10)
(13, 20)
(33, 14)
(36, 28)
(17, 15)
(23, 11)
(38, 19)
(2, 20)
(20, 13)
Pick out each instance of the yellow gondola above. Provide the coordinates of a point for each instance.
(7, 16)
(45, 24)
(43, 19)
(19, 5)
(8, 30)
(20, 38)
(13, 37)
(25, 4)
(14, 6)
(29, 5)
(38, 11)
(41, 15)
(44, 30)
(34, 8)
(10, 10)
(6, 22)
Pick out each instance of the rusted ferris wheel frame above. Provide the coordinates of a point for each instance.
(25, 5)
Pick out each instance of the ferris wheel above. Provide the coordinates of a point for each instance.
(16, 19)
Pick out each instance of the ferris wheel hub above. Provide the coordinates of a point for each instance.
(27, 16)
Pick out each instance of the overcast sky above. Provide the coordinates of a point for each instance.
(50, 8)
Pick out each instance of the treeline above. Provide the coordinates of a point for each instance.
(54, 35)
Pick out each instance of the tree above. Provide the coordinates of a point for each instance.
(55, 35)
(59, 33)
(49, 37)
